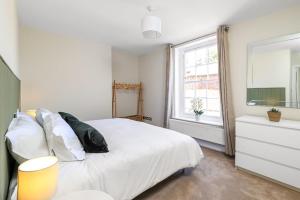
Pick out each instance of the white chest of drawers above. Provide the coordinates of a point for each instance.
(270, 149)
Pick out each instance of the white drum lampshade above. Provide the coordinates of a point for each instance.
(37, 179)
(151, 27)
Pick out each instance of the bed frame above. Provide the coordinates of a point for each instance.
(9, 104)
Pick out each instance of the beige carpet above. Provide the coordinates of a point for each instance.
(217, 179)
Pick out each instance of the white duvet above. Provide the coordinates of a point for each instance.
(140, 155)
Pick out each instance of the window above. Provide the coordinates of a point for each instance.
(197, 77)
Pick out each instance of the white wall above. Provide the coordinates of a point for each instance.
(9, 34)
(125, 68)
(240, 35)
(214, 134)
(152, 72)
(271, 69)
(65, 74)
(295, 58)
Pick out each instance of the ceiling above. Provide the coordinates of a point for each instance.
(117, 22)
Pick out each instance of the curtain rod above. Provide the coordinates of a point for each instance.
(192, 40)
(198, 38)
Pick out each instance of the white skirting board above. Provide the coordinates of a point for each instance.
(210, 145)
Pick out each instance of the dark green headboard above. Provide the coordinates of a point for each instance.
(9, 103)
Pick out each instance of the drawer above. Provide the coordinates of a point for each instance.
(274, 171)
(275, 135)
(279, 154)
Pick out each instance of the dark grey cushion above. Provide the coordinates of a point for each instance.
(91, 140)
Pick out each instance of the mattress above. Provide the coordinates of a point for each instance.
(140, 156)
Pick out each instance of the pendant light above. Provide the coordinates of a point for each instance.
(151, 25)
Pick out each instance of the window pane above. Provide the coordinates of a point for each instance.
(213, 69)
(201, 85)
(213, 93)
(214, 78)
(189, 59)
(201, 88)
(204, 103)
(213, 88)
(189, 90)
(213, 54)
(201, 56)
(213, 105)
(189, 74)
(201, 92)
(188, 105)
(201, 72)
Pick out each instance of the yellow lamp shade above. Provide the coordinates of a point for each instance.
(31, 113)
(37, 178)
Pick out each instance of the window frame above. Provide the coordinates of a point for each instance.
(179, 91)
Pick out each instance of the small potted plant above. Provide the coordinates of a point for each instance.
(274, 115)
(197, 107)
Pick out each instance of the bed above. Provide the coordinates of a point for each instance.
(141, 155)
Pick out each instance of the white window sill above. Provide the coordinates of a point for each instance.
(200, 121)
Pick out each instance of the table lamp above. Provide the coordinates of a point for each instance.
(31, 113)
(37, 178)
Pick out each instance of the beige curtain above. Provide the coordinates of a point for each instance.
(225, 90)
(169, 86)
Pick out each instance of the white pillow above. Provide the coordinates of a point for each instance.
(25, 115)
(62, 140)
(26, 139)
(40, 115)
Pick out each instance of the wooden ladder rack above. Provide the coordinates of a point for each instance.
(127, 86)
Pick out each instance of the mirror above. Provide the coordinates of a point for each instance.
(273, 73)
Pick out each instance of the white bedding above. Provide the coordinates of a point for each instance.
(140, 155)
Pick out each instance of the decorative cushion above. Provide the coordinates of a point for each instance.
(62, 141)
(91, 140)
(25, 139)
